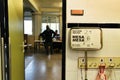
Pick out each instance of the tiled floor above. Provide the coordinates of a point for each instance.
(42, 67)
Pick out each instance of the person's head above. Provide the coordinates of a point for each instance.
(56, 31)
(47, 27)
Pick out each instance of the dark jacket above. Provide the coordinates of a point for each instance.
(48, 35)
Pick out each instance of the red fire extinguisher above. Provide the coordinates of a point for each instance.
(101, 74)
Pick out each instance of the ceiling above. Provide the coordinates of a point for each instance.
(43, 6)
(49, 3)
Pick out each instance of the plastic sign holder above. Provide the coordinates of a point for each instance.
(86, 39)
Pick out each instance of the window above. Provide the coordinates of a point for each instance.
(53, 26)
(52, 21)
(28, 27)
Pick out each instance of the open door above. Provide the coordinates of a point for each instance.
(15, 13)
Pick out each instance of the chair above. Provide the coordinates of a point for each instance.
(27, 46)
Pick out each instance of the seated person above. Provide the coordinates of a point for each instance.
(57, 36)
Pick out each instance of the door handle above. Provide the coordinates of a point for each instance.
(23, 47)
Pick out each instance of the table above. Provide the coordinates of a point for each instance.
(37, 44)
(56, 45)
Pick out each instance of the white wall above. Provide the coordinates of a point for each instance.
(97, 11)
(111, 48)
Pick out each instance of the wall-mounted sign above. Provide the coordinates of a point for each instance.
(86, 38)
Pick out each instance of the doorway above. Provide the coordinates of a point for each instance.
(38, 65)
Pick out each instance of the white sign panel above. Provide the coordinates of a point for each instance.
(86, 38)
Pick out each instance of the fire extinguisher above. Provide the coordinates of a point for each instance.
(101, 73)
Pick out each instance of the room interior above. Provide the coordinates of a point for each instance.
(38, 65)
(39, 11)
